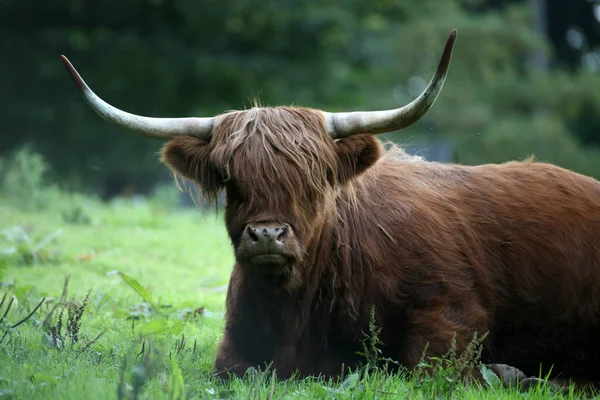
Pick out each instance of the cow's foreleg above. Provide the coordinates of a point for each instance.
(228, 362)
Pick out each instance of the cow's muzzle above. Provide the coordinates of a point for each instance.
(267, 245)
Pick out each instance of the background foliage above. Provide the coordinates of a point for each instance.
(189, 57)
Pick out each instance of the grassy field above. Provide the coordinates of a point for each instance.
(156, 279)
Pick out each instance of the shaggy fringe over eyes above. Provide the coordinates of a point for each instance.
(271, 150)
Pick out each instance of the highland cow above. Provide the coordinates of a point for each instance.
(326, 225)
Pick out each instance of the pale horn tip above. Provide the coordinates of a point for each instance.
(81, 86)
(447, 54)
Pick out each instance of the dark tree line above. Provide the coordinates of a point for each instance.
(188, 57)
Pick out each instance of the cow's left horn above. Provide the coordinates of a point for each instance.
(344, 124)
(158, 128)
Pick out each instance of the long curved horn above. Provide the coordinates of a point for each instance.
(344, 124)
(157, 128)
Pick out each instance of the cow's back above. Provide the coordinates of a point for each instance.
(520, 239)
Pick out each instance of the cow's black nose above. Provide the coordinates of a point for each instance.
(263, 234)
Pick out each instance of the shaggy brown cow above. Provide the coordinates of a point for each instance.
(325, 225)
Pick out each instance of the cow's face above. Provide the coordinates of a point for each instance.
(280, 170)
(279, 167)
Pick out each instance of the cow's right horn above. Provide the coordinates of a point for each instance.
(158, 128)
(342, 124)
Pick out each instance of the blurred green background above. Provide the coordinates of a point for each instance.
(524, 78)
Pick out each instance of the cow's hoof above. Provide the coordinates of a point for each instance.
(510, 376)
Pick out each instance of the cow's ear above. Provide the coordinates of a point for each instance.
(355, 155)
(190, 158)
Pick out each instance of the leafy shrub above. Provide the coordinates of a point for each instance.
(439, 376)
(372, 352)
(77, 214)
(444, 374)
(65, 333)
(23, 180)
(18, 247)
(58, 335)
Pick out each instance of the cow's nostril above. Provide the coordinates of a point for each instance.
(282, 233)
(252, 234)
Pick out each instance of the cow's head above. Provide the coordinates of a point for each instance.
(279, 167)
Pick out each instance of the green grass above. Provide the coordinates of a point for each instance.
(178, 262)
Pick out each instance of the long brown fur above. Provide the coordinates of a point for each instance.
(437, 249)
